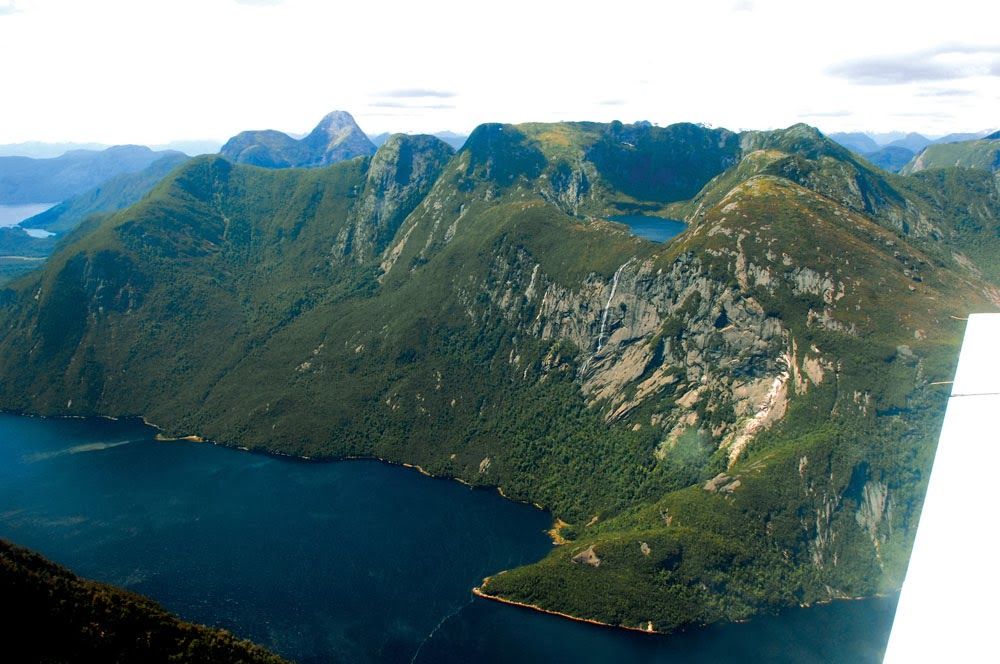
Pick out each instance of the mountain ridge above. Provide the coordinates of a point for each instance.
(896, 155)
(473, 313)
(981, 153)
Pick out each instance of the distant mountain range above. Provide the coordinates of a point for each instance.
(109, 196)
(335, 138)
(192, 148)
(25, 180)
(113, 182)
(43, 150)
(894, 151)
(981, 154)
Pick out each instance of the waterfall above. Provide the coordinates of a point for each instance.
(604, 316)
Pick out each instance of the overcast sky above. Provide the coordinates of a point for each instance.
(151, 71)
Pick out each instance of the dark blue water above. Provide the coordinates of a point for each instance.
(350, 561)
(656, 229)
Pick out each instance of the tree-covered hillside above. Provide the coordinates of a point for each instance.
(52, 615)
(110, 196)
(738, 420)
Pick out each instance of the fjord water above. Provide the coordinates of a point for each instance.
(655, 229)
(343, 561)
(12, 215)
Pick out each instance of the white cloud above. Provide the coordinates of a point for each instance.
(120, 71)
(942, 63)
(417, 92)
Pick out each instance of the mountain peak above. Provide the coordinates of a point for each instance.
(799, 138)
(335, 126)
(335, 121)
(337, 137)
(803, 130)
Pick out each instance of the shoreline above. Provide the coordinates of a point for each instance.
(556, 532)
(553, 533)
(162, 436)
(477, 591)
(650, 630)
(557, 524)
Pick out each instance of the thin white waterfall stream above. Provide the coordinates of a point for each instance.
(604, 316)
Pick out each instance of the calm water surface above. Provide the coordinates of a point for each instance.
(12, 215)
(345, 561)
(655, 229)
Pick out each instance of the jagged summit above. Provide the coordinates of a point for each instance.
(337, 137)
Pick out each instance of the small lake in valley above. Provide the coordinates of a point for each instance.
(655, 229)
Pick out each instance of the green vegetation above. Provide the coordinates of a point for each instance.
(746, 423)
(21, 253)
(963, 204)
(52, 615)
(110, 196)
(982, 154)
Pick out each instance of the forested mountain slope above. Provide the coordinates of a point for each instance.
(52, 615)
(738, 420)
(110, 196)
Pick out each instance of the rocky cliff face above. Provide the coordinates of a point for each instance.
(670, 348)
(400, 175)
